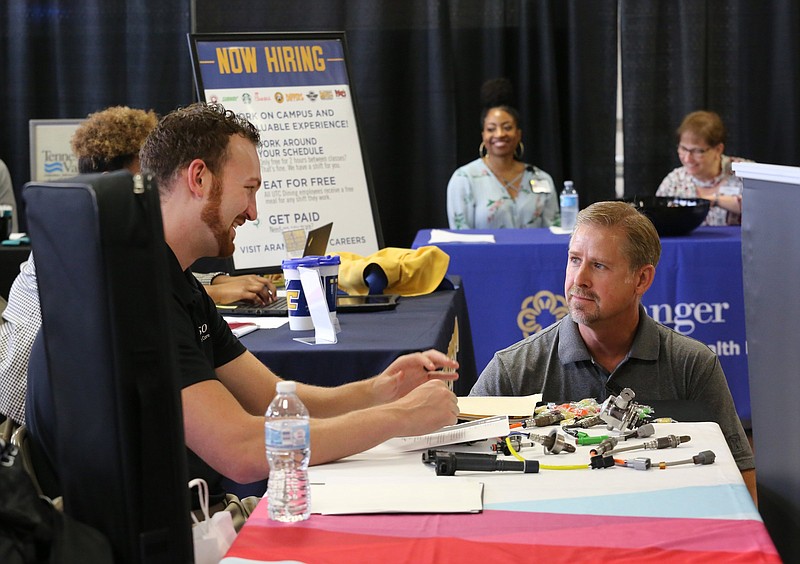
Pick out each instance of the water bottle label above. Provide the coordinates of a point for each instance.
(288, 434)
(568, 200)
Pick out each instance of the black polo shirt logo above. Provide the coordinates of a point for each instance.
(202, 330)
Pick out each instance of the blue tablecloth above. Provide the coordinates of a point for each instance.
(515, 287)
(369, 342)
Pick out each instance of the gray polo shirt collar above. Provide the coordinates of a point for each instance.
(571, 347)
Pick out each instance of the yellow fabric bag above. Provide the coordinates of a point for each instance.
(409, 272)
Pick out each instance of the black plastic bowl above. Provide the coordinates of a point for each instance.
(672, 216)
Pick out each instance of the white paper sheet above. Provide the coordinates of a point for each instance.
(261, 322)
(343, 496)
(442, 236)
(462, 433)
(242, 328)
(473, 407)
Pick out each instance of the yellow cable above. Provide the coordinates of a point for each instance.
(517, 455)
(541, 466)
(565, 467)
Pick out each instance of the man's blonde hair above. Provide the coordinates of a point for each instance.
(643, 244)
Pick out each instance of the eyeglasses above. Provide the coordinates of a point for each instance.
(694, 152)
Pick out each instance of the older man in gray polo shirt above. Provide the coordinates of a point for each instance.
(608, 342)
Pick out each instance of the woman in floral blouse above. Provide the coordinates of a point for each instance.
(499, 190)
(706, 171)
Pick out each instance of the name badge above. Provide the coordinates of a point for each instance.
(539, 187)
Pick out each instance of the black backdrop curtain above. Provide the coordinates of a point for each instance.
(68, 58)
(417, 65)
(740, 58)
(417, 69)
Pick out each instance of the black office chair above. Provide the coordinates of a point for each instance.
(115, 417)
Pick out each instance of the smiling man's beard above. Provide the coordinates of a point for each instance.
(211, 217)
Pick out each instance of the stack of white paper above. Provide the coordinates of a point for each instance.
(488, 428)
(516, 407)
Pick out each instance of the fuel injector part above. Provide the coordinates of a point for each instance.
(553, 442)
(605, 446)
(548, 418)
(647, 430)
(670, 441)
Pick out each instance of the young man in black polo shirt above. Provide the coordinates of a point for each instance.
(205, 162)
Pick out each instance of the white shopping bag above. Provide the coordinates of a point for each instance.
(213, 535)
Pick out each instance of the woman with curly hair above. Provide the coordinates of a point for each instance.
(110, 139)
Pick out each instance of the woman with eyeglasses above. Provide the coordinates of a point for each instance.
(500, 190)
(706, 171)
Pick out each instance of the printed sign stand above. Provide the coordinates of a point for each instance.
(51, 154)
(295, 88)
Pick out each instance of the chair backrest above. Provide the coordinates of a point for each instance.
(103, 285)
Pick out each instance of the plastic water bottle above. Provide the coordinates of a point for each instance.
(569, 206)
(288, 451)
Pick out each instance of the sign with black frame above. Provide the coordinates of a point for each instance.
(295, 88)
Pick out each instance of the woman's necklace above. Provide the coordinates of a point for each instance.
(512, 185)
(705, 183)
(709, 183)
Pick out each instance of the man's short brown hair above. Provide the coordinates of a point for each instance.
(198, 131)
